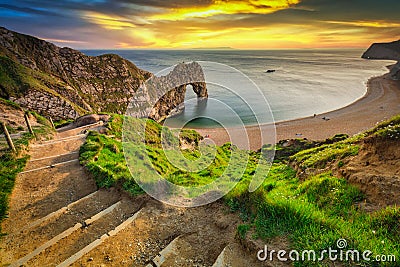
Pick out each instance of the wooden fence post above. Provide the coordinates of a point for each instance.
(52, 123)
(8, 137)
(28, 123)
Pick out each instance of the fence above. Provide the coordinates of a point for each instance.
(8, 138)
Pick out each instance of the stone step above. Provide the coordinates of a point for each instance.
(51, 161)
(55, 156)
(99, 241)
(29, 259)
(55, 149)
(137, 243)
(183, 251)
(58, 140)
(46, 191)
(56, 222)
(154, 230)
(64, 210)
(79, 242)
(49, 166)
(222, 260)
(68, 131)
(168, 252)
(233, 255)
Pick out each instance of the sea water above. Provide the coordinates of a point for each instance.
(305, 82)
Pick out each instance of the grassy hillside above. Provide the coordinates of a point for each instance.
(16, 79)
(301, 199)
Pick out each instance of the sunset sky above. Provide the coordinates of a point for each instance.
(182, 24)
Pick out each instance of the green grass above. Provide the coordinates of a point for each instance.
(62, 123)
(318, 157)
(382, 127)
(10, 166)
(16, 79)
(10, 103)
(390, 131)
(283, 150)
(102, 155)
(312, 213)
(333, 195)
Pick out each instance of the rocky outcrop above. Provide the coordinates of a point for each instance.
(64, 83)
(91, 119)
(161, 97)
(388, 51)
(395, 71)
(46, 103)
(63, 75)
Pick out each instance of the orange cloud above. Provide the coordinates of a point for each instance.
(107, 21)
(372, 24)
(186, 28)
(220, 7)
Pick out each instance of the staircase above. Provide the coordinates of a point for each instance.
(58, 217)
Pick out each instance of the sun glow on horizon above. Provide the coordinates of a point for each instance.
(226, 24)
(365, 23)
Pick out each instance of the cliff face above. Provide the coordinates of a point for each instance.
(395, 71)
(62, 82)
(389, 51)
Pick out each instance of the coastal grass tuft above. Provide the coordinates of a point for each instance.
(61, 123)
(318, 157)
(381, 127)
(332, 194)
(314, 214)
(102, 155)
(10, 103)
(10, 166)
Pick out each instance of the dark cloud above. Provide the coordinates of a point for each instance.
(354, 9)
(27, 10)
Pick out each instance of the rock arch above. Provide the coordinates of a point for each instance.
(162, 97)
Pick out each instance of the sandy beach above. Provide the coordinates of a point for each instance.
(381, 102)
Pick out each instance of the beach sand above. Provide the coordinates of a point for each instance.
(381, 102)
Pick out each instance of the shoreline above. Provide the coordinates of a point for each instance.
(380, 102)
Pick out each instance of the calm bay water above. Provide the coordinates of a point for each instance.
(305, 81)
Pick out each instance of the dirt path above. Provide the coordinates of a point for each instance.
(58, 217)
